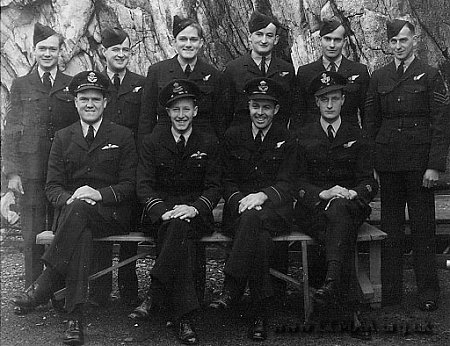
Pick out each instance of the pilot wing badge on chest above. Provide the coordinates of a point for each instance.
(349, 144)
(198, 155)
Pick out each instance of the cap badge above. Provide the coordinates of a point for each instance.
(325, 79)
(92, 78)
(263, 87)
(177, 88)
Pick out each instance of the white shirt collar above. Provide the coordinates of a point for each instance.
(257, 59)
(176, 135)
(52, 73)
(335, 125)
(85, 126)
(255, 131)
(406, 62)
(183, 64)
(326, 62)
(111, 75)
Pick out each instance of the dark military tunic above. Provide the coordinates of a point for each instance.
(357, 79)
(322, 165)
(236, 75)
(31, 122)
(248, 170)
(109, 166)
(165, 179)
(124, 105)
(408, 117)
(204, 75)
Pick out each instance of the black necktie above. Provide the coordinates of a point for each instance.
(116, 81)
(90, 135)
(187, 70)
(180, 145)
(258, 139)
(330, 133)
(400, 69)
(263, 65)
(333, 67)
(46, 80)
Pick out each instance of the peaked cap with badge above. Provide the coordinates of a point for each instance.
(327, 81)
(393, 27)
(179, 24)
(178, 89)
(259, 21)
(89, 80)
(112, 36)
(328, 25)
(41, 33)
(263, 89)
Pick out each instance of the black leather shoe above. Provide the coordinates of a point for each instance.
(143, 310)
(74, 333)
(257, 330)
(223, 302)
(187, 334)
(30, 298)
(326, 294)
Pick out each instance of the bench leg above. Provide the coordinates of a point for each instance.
(375, 272)
(306, 300)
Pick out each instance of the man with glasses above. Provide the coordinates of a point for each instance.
(333, 189)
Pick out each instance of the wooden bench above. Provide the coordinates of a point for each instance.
(370, 282)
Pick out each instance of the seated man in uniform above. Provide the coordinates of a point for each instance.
(258, 159)
(91, 181)
(334, 186)
(179, 184)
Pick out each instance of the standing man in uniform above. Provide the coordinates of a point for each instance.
(179, 185)
(123, 108)
(186, 64)
(90, 182)
(407, 115)
(259, 62)
(334, 188)
(40, 105)
(258, 160)
(332, 39)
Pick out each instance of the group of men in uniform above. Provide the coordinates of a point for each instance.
(282, 138)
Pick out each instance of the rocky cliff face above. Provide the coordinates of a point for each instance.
(225, 23)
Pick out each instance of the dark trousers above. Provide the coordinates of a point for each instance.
(253, 251)
(70, 253)
(173, 278)
(399, 189)
(33, 220)
(336, 229)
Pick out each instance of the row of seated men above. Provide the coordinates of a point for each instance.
(259, 168)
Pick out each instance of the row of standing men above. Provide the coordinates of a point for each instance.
(132, 95)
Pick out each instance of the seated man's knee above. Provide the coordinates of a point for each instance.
(250, 217)
(339, 207)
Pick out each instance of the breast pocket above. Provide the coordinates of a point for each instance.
(109, 159)
(416, 98)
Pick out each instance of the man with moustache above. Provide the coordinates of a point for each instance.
(333, 189)
(332, 39)
(258, 161)
(123, 108)
(259, 62)
(90, 182)
(179, 184)
(186, 64)
(40, 105)
(407, 115)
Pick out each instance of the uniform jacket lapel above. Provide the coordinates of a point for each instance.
(60, 82)
(251, 66)
(77, 136)
(36, 82)
(127, 84)
(167, 141)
